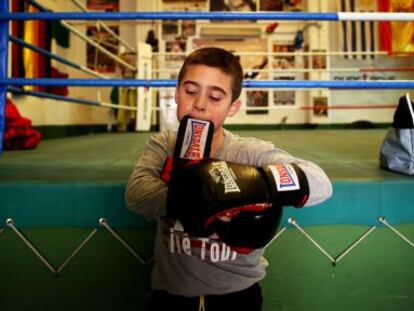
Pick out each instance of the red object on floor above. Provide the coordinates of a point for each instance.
(19, 134)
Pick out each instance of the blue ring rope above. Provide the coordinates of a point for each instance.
(288, 16)
(401, 84)
(44, 52)
(18, 91)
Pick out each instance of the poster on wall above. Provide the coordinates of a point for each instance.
(319, 60)
(320, 106)
(281, 5)
(250, 63)
(184, 5)
(188, 28)
(271, 5)
(174, 61)
(233, 5)
(281, 97)
(170, 29)
(96, 59)
(257, 99)
(103, 5)
(177, 46)
(281, 58)
(185, 28)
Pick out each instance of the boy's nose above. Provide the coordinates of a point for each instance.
(200, 103)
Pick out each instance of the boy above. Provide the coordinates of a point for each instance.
(203, 273)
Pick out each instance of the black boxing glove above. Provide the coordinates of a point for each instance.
(288, 184)
(202, 193)
(193, 142)
(194, 138)
(250, 228)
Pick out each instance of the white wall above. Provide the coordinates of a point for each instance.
(50, 112)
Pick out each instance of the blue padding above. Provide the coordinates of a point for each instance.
(83, 204)
(66, 205)
(360, 202)
(314, 84)
(272, 16)
(4, 30)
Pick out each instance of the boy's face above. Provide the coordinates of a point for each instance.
(205, 93)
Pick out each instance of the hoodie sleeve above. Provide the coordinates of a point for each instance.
(146, 193)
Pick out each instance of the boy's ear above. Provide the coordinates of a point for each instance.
(234, 107)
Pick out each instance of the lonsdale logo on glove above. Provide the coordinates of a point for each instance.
(193, 142)
(194, 139)
(221, 173)
(286, 178)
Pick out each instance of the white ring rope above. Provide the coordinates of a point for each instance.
(304, 70)
(291, 54)
(375, 16)
(104, 26)
(98, 46)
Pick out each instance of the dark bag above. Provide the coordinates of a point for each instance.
(397, 151)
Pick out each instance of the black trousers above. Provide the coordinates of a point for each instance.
(249, 299)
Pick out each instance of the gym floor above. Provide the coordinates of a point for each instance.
(80, 174)
(343, 154)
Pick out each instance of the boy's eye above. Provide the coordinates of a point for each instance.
(216, 96)
(216, 99)
(190, 91)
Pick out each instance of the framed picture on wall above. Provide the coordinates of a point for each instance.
(184, 28)
(320, 106)
(319, 60)
(173, 62)
(188, 28)
(282, 58)
(257, 99)
(293, 5)
(252, 64)
(233, 5)
(178, 45)
(96, 59)
(282, 97)
(103, 5)
(281, 5)
(271, 5)
(184, 5)
(170, 29)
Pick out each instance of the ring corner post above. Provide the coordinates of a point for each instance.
(4, 34)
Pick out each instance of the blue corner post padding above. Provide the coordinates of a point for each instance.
(4, 34)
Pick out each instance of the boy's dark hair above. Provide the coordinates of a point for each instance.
(219, 58)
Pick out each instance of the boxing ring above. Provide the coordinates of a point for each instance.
(68, 242)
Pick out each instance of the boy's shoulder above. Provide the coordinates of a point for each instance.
(247, 140)
(166, 134)
(165, 138)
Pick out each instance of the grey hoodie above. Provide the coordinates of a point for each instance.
(191, 266)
